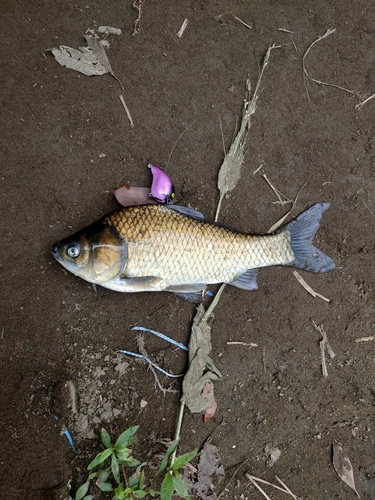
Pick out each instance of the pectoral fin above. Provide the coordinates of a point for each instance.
(247, 280)
(192, 292)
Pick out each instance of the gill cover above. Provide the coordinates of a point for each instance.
(109, 254)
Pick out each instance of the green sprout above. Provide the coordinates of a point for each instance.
(108, 462)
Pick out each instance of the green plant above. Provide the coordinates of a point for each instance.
(109, 461)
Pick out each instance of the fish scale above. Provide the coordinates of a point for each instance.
(165, 243)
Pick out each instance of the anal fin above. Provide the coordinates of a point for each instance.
(247, 280)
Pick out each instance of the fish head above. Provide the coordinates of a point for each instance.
(97, 253)
(162, 189)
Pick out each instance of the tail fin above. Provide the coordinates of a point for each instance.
(302, 230)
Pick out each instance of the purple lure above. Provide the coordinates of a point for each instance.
(162, 189)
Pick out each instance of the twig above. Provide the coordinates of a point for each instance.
(127, 112)
(308, 287)
(183, 28)
(232, 476)
(257, 486)
(242, 22)
(323, 345)
(137, 4)
(178, 138)
(365, 339)
(243, 343)
(253, 479)
(280, 221)
(277, 192)
(326, 34)
(361, 104)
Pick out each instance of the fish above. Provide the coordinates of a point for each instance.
(153, 248)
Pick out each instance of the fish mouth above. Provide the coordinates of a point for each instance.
(55, 252)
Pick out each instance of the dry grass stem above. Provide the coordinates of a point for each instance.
(175, 144)
(319, 82)
(137, 4)
(257, 169)
(308, 287)
(365, 339)
(183, 28)
(361, 104)
(142, 350)
(242, 22)
(264, 359)
(278, 193)
(285, 489)
(230, 170)
(285, 31)
(280, 221)
(323, 346)
(251, 344)
(127, 112)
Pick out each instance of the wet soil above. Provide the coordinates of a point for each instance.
(67, 143)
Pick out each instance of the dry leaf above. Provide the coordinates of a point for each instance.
(200, 485)
(129, 196)
(343, 467)
(91, 60)
(197, 387)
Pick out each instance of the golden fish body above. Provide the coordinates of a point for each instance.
(169, 248)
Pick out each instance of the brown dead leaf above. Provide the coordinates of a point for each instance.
(130, 196)
(343, 467)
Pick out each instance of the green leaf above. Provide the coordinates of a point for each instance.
(181, 487)
(167, 488)
(142, 479)
(183, 459)
(139, 493)
(103, 474)
(106, 438)
(89, 497)
(123, 453)
(133, 480)
(119, 492)
(130, 462)
(115, 469)
(82, 490)
(167, 455)
(100, 458)
(104, 486)
(125, 438)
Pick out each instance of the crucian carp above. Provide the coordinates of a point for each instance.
(153, 248)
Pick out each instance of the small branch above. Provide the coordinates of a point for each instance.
(127, 112)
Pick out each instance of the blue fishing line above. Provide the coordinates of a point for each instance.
(68, 435)
(151, 363)
(161, 335)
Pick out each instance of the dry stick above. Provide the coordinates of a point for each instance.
(361, 104)
(183, 28)
(326, 34)
(243, 343)
(365, 339)
(286, 490)
(280, 221)
(323, 345)
(127, 112)
(242, 22)
(142, 350)
(174, 145)
(257, 486)
(137, 4)
(278, 193)
(308, 287)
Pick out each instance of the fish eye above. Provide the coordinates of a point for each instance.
(73, 250)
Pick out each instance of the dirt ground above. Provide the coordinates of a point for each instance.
(67, 144)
